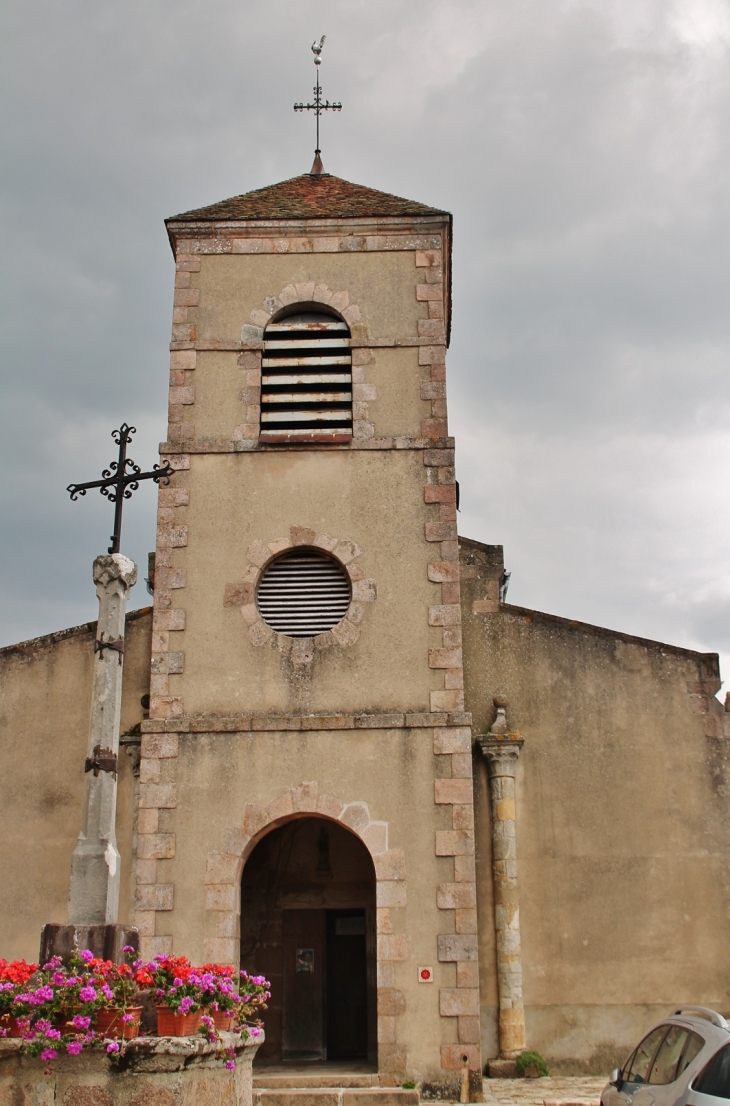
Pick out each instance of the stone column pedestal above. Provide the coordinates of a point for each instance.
(107, 941)
(95, 874)
(501, 750)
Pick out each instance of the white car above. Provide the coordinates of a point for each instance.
(685, 1061)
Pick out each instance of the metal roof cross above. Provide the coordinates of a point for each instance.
(319, 104)
(120, 480)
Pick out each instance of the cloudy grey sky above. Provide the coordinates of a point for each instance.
(582, 146)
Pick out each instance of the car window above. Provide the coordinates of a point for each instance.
(642, 1058)
(694, 1045)
(664, 1068)
(715, 1077)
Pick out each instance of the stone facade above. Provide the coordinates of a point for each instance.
(502, 880)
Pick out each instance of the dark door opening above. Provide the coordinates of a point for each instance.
(308, 925)
(346, 997)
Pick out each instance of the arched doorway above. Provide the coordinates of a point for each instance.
(308, 924)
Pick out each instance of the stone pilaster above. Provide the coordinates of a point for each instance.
(95, 874)
(501, 750)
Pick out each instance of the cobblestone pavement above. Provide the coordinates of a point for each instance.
(554, 1089)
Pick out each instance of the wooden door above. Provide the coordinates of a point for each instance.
(303, 949)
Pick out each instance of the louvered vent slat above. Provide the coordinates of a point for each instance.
(309, 404)
(303, 593)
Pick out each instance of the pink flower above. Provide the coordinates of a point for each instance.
(74, 1047)
(49, 1054)
(53, 1034)
(127, 1017)
(112, 1047)
(87, 994)
(230, 1064)
(87, 956)
(81, 1021)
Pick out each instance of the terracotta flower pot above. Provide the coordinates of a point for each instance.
(64, 1020)
(8, 1022)
(110, 1022)
(222, 1020)
(172, 1024)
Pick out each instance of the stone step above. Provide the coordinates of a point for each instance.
(295, 1080)
(334, 1096)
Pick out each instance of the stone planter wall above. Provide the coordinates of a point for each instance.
(155, 1071)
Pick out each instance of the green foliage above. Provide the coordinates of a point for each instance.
(409, 1085)
(531, 1060)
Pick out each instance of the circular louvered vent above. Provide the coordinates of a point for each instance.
(303, 593)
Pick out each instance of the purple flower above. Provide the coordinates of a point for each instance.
(43, 1026)
(127, 1018)
(87, 956)
(129, 948)
(255, 1031)
(43, 994)
(185, 1005)
(87, 994)
(107, 992)
(81, 1021)
(74, 1047)
(112, 1047)
(49, 1054)
(177, 982)
(53, 1034)
(230, 1064)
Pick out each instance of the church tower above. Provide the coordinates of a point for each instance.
(306, 803)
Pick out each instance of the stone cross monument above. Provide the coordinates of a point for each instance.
(94, 895)
(95, 868)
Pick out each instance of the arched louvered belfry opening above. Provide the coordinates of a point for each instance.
(306, 378)
(303, 592)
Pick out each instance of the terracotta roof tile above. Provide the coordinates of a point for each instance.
(307, 197)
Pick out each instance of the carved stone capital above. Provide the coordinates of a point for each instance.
(501, 752)
(115, 566)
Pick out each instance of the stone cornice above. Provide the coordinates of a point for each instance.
(253, 723)
(235, 446)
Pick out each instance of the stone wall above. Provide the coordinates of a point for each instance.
(45, 702)
(165, 1071)
(623, 825)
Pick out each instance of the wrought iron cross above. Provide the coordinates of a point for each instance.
(319, 104)
(120, 480)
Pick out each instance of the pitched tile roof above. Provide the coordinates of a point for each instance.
(309, 196)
